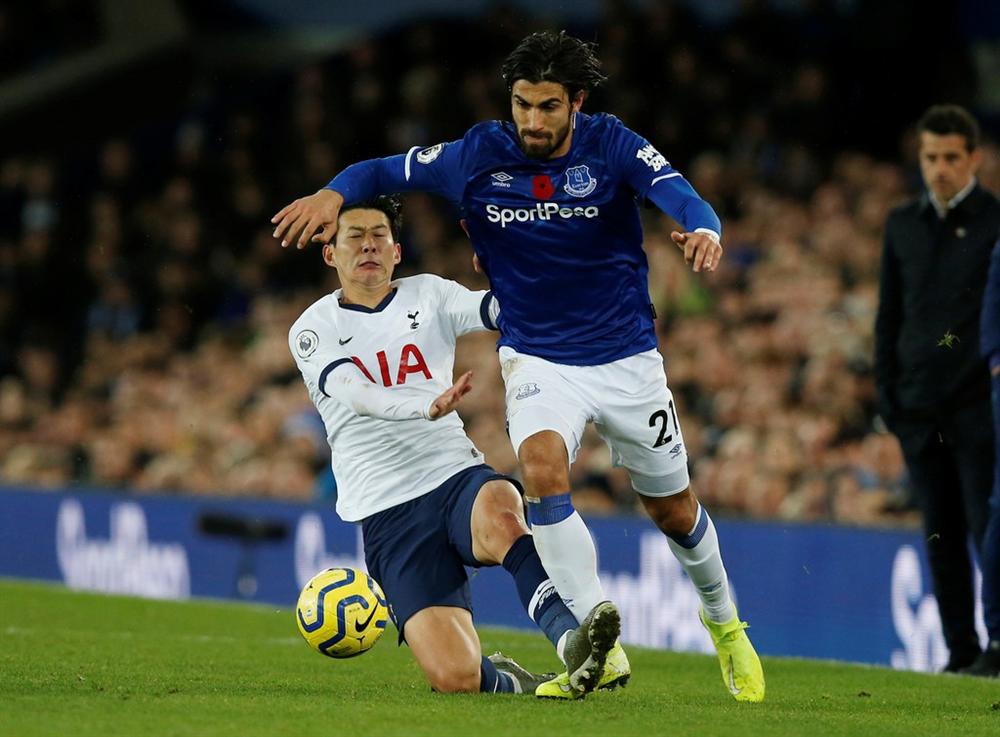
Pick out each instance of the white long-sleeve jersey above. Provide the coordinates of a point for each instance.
(373, 374)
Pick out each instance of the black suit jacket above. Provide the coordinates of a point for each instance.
(927, 360)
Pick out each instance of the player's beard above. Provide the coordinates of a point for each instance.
(543, 149)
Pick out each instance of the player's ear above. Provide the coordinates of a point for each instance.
(329, 255)
(578, 99)
(977, 158)
(397, 253)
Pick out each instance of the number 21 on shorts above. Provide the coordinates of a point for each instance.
(662, 418)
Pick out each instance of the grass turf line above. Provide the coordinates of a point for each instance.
(86, 664)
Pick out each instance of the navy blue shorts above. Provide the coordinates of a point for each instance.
(418, 550)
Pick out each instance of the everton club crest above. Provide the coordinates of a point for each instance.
(579, 183)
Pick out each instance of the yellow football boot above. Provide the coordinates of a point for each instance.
(617, 670)
(559, 688)
(741, 669)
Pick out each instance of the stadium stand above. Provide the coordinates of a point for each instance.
(144, 306)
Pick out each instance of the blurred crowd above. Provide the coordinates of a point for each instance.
(34, 35)
(144, 306)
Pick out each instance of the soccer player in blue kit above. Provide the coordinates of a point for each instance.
(550, 201)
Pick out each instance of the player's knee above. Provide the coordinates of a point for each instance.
(543, 473)
(498, 519)
(493, 538)
(499, 496)
(674, 515)
(508, 526)
(544, 464)
(463, 679)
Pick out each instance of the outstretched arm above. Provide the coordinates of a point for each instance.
(701, 241)
(352, 389)
(328, 371)
(448, 401)
(650, 175)
(701, 249)
(313, 218)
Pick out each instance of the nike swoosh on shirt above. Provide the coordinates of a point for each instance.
(345, 342)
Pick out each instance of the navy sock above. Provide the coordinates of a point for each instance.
(537, 592)
(493, 681)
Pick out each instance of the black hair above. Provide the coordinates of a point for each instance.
(388, 204)
(547, 56)
(946, 119)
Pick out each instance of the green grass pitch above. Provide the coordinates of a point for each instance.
(85, 664)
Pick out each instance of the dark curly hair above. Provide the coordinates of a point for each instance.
(943, 120)
(547, 56)
(388, 204)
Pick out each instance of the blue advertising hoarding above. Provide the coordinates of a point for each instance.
(807, 591)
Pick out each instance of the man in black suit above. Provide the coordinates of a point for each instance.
(988, 664)
(933, 386)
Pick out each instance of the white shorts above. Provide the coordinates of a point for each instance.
(627, 400)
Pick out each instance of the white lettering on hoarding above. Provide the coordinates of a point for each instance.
(659, 605)
(916, 619)
(127, 562)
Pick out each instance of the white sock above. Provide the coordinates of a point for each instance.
(570, 558)
(561, 647)
(699, 553)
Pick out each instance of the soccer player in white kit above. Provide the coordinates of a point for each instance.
(377, 358)
(550, 201)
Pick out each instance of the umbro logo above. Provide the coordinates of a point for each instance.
(501, 179)
(676, 450)
(344, 341)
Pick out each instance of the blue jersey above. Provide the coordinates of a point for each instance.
(560, 239)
